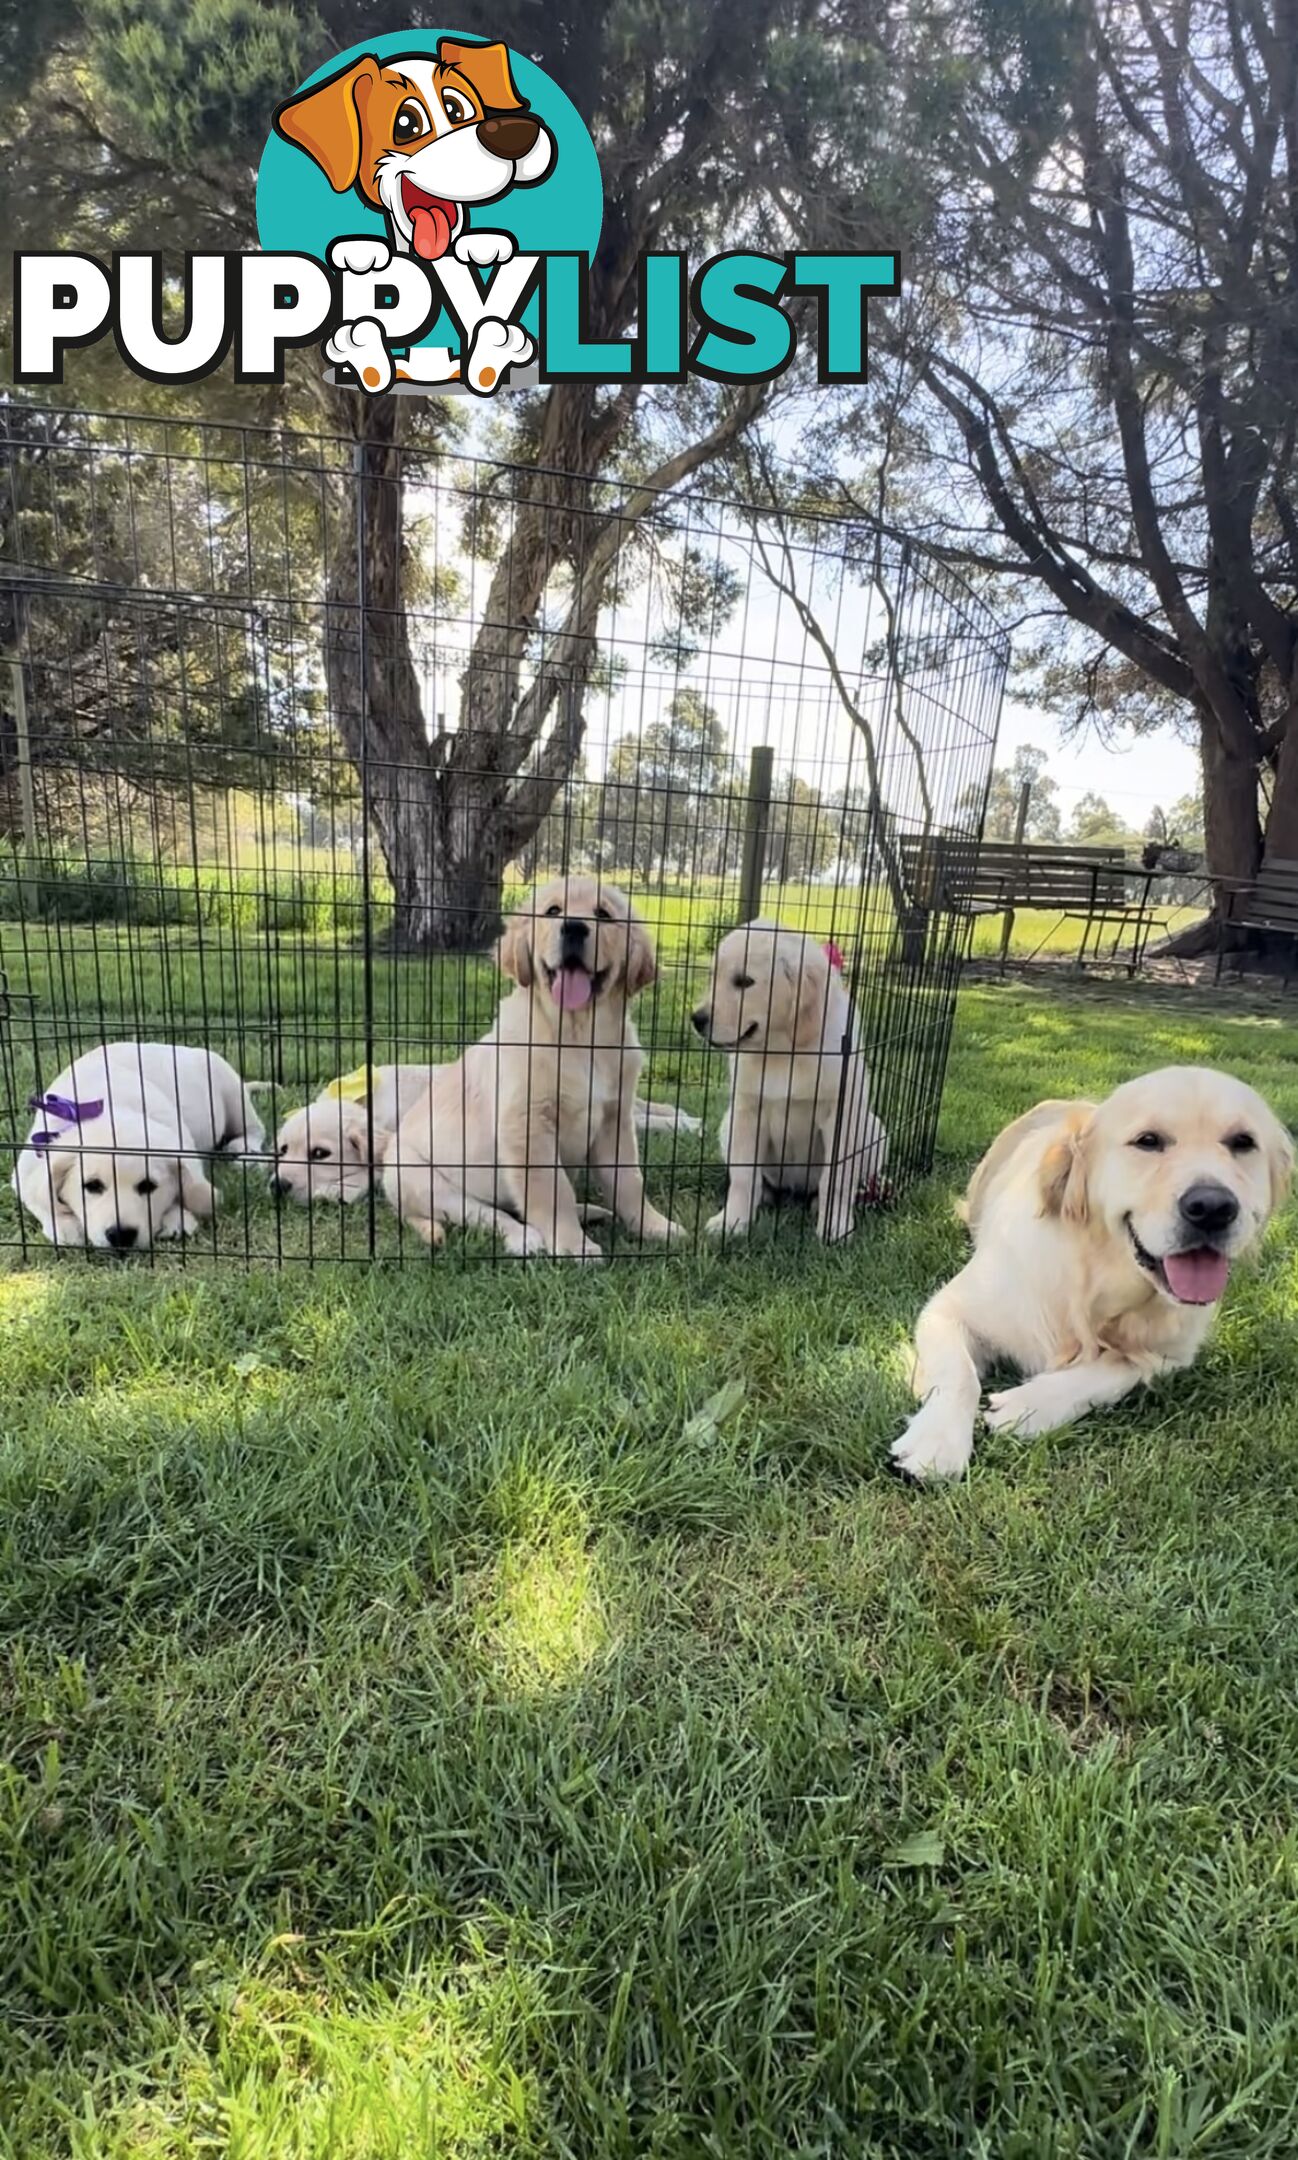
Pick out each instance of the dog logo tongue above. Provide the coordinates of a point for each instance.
(571, 988)
(431, 230)
(1197, 1278)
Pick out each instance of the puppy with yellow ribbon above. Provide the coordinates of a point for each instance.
(332, 1147)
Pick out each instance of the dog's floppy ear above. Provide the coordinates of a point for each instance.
(808, 972)
(514, 952)
(1064, 1186)
(1280, 1162)
(325, 122)
(195, 1192)
(356, 1138)
(486, 68)
(641, 962)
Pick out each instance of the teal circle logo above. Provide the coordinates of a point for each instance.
(432, 143)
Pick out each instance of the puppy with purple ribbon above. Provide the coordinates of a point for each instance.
(115, 1155)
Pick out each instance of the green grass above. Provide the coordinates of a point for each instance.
(429, 1729)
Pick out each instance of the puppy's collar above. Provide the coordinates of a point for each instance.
(352, 1086)
(67, 1110)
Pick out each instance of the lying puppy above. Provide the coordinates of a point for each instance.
(799, 1117)
(323, 1151)
(549, 1089)
(112, 1157)
(1103, 1240)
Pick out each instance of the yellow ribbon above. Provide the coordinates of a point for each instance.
(352, 1086)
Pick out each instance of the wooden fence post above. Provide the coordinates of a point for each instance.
(1020, 827)
(757, 818)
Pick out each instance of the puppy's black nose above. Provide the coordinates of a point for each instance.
(281, 1186)
(509, 135)
(122, 1236)
(1208, 1208)
(573, 933)
(700, 1020)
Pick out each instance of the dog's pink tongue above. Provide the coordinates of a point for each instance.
(432, 230)
(1197, 1278)
(571, 988)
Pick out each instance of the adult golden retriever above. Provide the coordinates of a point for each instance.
(549, 1089)
(1103, 1240)
(798, 1119)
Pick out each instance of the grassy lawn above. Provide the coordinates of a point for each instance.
(509, 1712)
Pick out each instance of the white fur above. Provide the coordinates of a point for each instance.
(1054, 1285)
(798, 1119)
(165, 1107)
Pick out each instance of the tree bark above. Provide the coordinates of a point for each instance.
(437, 808)
(1282, 818)
(451, 813)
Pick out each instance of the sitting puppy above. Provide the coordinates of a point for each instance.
(1103, 1240)
(549, 1089)
(112, 1157)
(799, 1117)
(323, 1151)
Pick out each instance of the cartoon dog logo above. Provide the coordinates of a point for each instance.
(423, 139)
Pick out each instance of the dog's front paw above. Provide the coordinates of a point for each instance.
(1037, 1406)
(496, 347)
(360, 345)
(583, 1248)
(726, 1224)
(935, 1444)
(521, 1241)
(661, 1227)
(362, 255)
(484, 248)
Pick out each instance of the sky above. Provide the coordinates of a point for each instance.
(1146, 770)
(768, 680)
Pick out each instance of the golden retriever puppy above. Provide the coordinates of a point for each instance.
(1103, 1239)
(331, 1148)
(113, 1158)
(798, 1119)
(548, 1090)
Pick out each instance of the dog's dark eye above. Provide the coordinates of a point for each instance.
(555, 909)
(1241, 1143)
(411, 122)
(319, 1154)
(284, 1150)
(603, 914)
(92, 1184)
(146, 1185)
(1150, 1143)
(743, 982)
(458, 109)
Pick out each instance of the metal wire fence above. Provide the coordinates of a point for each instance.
(293, 732)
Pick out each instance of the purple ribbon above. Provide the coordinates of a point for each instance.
(61, 1106)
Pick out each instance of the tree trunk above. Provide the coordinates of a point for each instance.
(1282, 819)
(448, 815)
(1232, 840)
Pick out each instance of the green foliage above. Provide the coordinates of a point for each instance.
(194, 78)
(1027, 769)
(143, 894)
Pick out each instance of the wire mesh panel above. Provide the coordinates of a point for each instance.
(415, 788)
